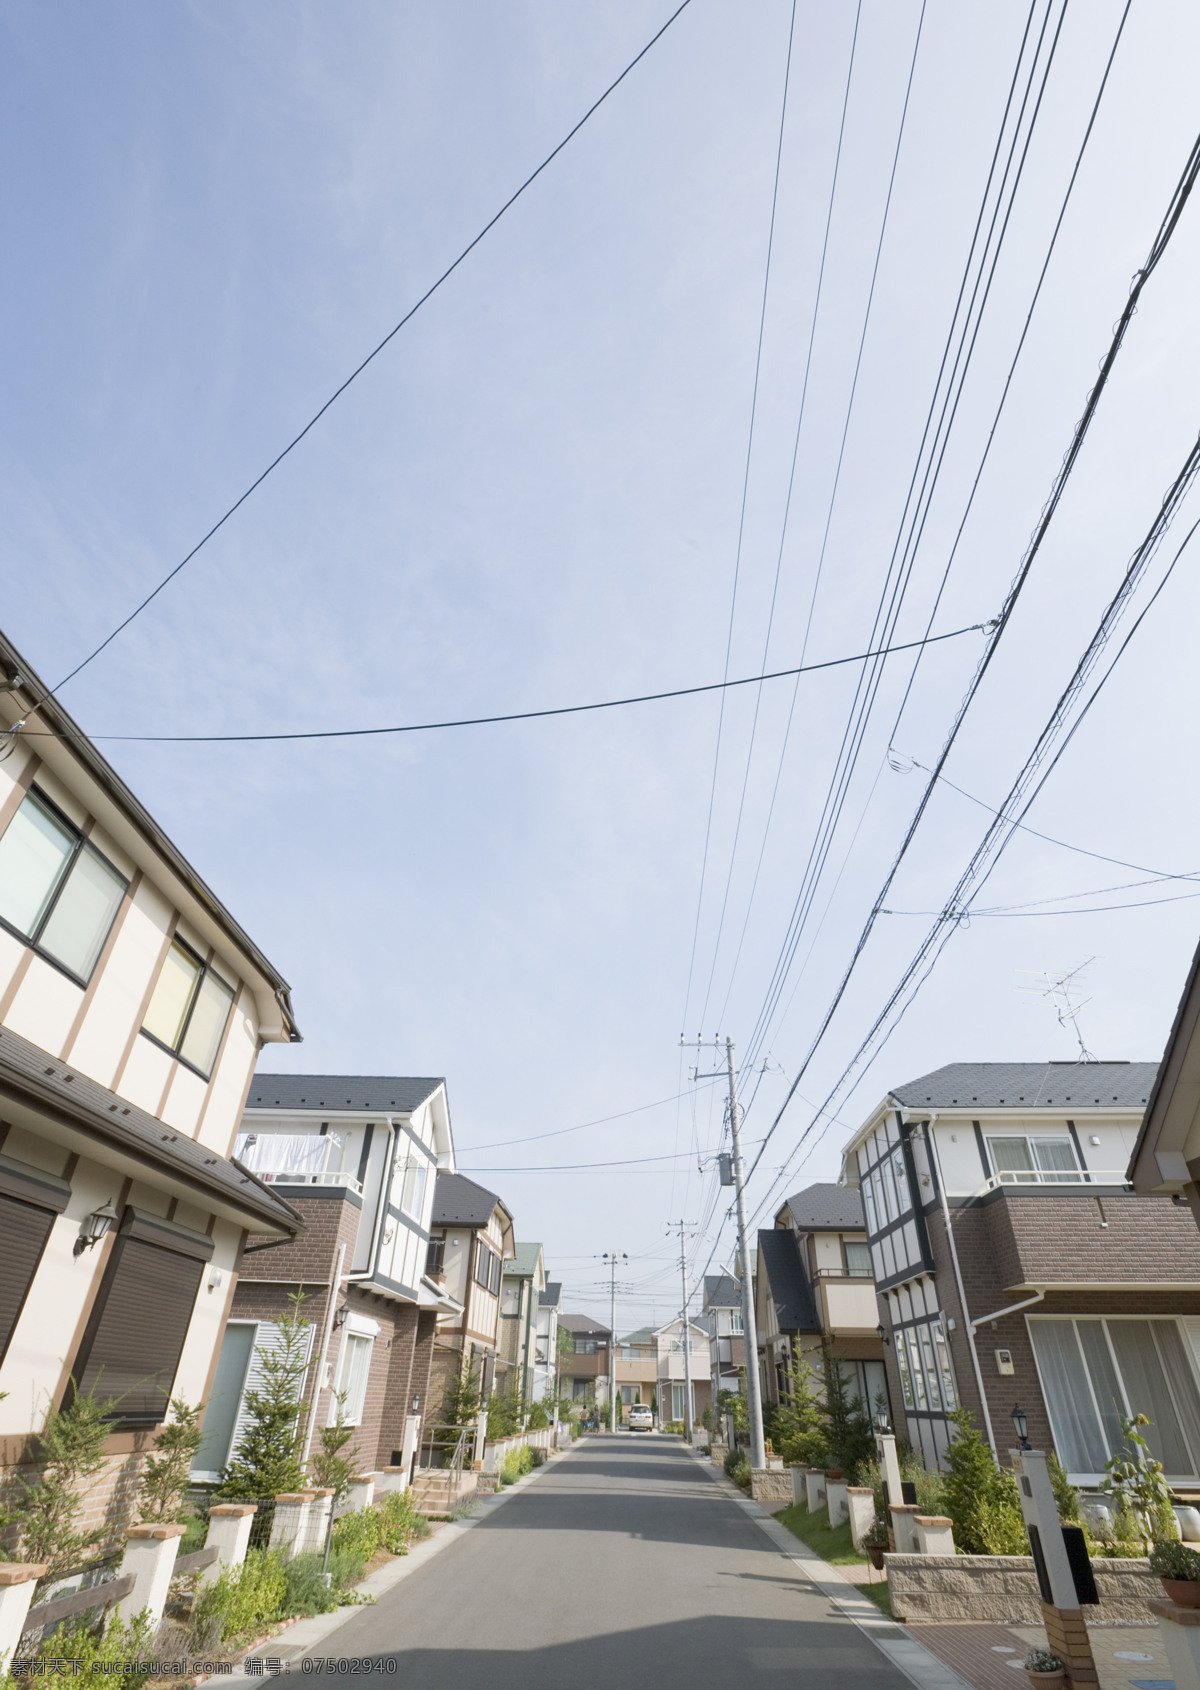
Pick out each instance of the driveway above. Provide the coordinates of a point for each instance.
(622, 1564)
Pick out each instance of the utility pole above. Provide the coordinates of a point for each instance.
(612, 1258)
(688, 1409)
(758, 1447)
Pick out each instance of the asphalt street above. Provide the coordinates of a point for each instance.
(624, 1563)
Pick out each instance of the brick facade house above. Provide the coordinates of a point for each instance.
(357, 1157)
(1015, 1266)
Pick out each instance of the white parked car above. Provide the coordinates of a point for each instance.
(641, 1418)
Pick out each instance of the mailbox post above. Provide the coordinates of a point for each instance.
(1064, 1574)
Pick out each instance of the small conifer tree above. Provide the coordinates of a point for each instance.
(979, 1495)
(165, 1476)
(331, 1469)
(849, 1440)
(460, 1405)
(797, 1432)
(69, 1450)
(267, 1459)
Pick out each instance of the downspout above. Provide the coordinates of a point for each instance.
(329, 1314)
(385, 1186)
(962, 1295)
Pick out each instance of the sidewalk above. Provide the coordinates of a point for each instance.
(985, 1655)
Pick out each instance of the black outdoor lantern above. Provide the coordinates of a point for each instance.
(881, 1334)
(1020, 1422)
(882, 1423)
(94, 1227)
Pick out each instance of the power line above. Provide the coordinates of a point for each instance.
(486, 721)
(1167, 227)
(500, 1143)
(372, 355)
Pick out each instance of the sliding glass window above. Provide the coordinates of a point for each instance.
(189, 1009)
(56, 890)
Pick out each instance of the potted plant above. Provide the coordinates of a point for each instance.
(875, 1543)
(1179, 1569)
(834, 1473)
(1044, 1667)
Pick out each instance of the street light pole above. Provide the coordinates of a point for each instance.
(688, 1414)
(758, 1447)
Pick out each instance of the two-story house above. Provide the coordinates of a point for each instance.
(132, 1010)
(471, 1239)
(637, 1367)
(673, 1368)
(722, 1314)
(1014, 1265)
(545, 1360)
(815, 1291)
(358, 1156)
(585, 1368)
(522, 1284)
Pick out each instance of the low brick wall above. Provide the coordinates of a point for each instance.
(1004, 1588)
(771, 1485)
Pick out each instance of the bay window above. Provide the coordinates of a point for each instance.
(56, 890)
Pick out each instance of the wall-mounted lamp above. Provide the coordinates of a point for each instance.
(416, 1403)
(881, 1333)
(94, 1227)
(1020, 1422)
(215, 1278)
(339, 1316)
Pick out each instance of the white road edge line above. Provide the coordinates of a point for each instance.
(918, 1664)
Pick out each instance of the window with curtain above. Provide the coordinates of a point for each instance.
(1049, 1160)
(483, 1266)
(926, 1378)
(189, 1008)
(353, 1374)
(858, 1260)
(56, 890)
(678, 1402)
(1093, 1371)
(412, 1186)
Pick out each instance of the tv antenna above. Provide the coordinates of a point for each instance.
(1061, 989)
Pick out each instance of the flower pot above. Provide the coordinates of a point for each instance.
(875, 1554)
(1185, 1593)
(834, 1473)
(1048, 1679)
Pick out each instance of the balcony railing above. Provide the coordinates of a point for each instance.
(347, 1181)
(845, 1273)
(1057, 1176)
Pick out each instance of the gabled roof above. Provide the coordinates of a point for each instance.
(581, 1323)
(1031, 1085)
(779, 1262)
(458, 1201)
(826, 1208)
(524, 1263)
(340, 1091)
(722, 1291)
(643, 1335)
(552, 1295)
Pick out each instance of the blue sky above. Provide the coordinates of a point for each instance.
(533, 497)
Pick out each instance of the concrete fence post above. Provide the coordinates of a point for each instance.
(480, 1441)
(904, 1527)
(361, 1493)
(838, 1500)
(17, 1581)
(319, 1512)
(229, 1527)
(391, 1478)
(814, 1489)
(860, 1504)
(935, 1534)
(150, 1553)
(799, 1496)
(290, 1525)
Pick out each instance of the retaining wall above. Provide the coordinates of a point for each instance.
(1004, 1588)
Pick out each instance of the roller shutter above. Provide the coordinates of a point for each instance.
(29, 1202)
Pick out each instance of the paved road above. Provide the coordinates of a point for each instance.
(623, 1565)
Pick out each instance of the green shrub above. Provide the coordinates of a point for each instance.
(345, 1568)
(576, 1430)
(741, 1474)
(1170, 1559)
(980, 1496)
(307, 1592)
(674, 1426)
(242, 1602)
(359, 1533)
(733, 1458)
(400, 1522)
(504, 1413)
(538, 1418)
(120, 1641)
(538, 1455)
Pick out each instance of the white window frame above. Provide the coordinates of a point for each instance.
(357, 1330)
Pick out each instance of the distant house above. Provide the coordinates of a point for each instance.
(470, 1239)
(722, 1316)
(815, 1291)
(522, 1284)
(545, 1361)
(637, 1367)
(358, 1157)
(584, 1369)
(1013, 1265)
(133, 1007)
(672, 1371)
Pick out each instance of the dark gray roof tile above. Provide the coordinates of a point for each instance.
(340, 1091)
(779, 1260)
(826, 1208)
(458, 1201)
(1030, 1085)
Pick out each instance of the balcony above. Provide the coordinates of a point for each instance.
(1056, 1176)
(295, 1159)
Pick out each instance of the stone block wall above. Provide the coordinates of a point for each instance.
(1004, 1589)
(772, 1486)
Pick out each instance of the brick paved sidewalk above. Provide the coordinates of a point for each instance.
(989, 1657)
